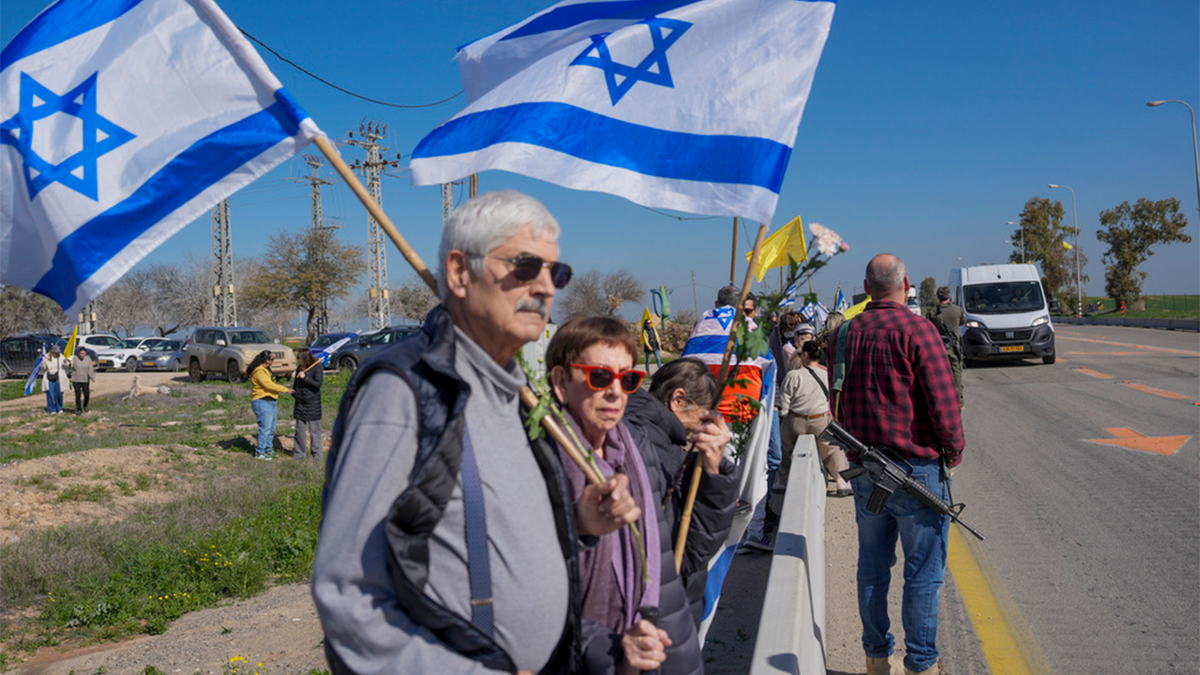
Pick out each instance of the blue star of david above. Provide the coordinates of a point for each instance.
(631, 75)
(100, 136)
(724, 316)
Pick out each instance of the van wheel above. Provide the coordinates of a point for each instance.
(234, 373)
(1048, 360)
(194, 371)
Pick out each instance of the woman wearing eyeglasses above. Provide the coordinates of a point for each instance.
(679, 411)
(590, 361)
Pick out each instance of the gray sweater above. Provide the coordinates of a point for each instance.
(351, 583)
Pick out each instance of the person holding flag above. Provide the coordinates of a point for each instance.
(53, 367)
(306, 391)
(649, 340)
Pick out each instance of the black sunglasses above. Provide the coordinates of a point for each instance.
(527, 267)
(600, 378)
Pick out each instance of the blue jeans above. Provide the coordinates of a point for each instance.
(922, 535)
(774, 450)
(54, 395)
(265, 410)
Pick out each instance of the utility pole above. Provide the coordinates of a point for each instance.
(379, 308)
(223, 307)
(318, 224)
(447, 202)
(87, 319)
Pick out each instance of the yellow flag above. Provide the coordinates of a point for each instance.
(853, 311)
(70, 350)
(788, 239)
(1067, 246)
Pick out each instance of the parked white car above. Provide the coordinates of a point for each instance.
(125, 353)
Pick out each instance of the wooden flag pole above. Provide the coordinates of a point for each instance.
(690, 503)
(733, 253)
(376, 211)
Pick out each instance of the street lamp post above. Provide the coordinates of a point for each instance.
(1022, 239)
(1195, 148)
(1078, 275)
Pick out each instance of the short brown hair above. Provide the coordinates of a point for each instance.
(576, 335)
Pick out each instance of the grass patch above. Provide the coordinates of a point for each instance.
(1153, 307)
(84, 493)
(12, 389)
(235, 534)
(191, 415)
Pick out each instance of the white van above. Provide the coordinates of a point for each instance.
(1006, 312)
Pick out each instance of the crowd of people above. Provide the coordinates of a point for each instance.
(455, 540)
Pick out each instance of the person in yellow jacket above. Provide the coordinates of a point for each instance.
(264, 399)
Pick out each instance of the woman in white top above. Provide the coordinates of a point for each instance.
(804, 409)
(54, 370)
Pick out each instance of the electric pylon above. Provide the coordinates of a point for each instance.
(318, 223)
(223, 308)
(379, 308)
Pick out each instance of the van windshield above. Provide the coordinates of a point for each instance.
(1003, 297)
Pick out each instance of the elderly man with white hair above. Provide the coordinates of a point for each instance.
(448, 538)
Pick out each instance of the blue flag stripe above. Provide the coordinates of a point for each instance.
(573, 15)
(739, 160)
(193, 171)
(61, 22)
(706, 344)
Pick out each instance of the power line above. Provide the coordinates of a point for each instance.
(344, 91)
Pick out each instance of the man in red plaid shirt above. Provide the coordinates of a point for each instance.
(899, 392)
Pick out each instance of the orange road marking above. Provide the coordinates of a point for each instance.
(1133, 440)
(1092, 373)
(1157, 392)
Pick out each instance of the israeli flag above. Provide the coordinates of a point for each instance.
(686, 105)
(121, 121)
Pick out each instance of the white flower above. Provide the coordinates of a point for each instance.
(828, 241)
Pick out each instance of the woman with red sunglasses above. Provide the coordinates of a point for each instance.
(590, 361)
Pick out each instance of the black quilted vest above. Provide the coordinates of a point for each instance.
(426, 362)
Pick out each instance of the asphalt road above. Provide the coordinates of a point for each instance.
(1097, 545)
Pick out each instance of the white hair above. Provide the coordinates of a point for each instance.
(485, 222)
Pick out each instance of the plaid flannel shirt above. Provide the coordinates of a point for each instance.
(899, 390)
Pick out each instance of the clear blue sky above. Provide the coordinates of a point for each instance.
(929, 126)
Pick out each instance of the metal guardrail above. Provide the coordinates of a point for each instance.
(1192, 325)
(791, 631)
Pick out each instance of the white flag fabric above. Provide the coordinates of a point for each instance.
(121, 121)
(686, 105)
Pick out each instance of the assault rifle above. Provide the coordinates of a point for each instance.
(890, 474)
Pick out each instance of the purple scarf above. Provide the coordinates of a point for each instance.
(611, 573)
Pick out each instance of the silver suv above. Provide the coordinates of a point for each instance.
(228, 351)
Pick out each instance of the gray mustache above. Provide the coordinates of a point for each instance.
(534, 305)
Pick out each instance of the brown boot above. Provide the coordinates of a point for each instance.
(935, 670)
(884, 666)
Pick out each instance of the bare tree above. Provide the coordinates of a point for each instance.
(179, 296)
(413, 299)
(22, 311)
(593, 293)
(123, 307)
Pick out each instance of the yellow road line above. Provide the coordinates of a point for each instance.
(1008, 645)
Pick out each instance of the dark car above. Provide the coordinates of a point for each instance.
(19, 355)
(323, 341)
(354, 353)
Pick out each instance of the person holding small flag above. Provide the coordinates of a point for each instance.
(307, 413)
(53, 369)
